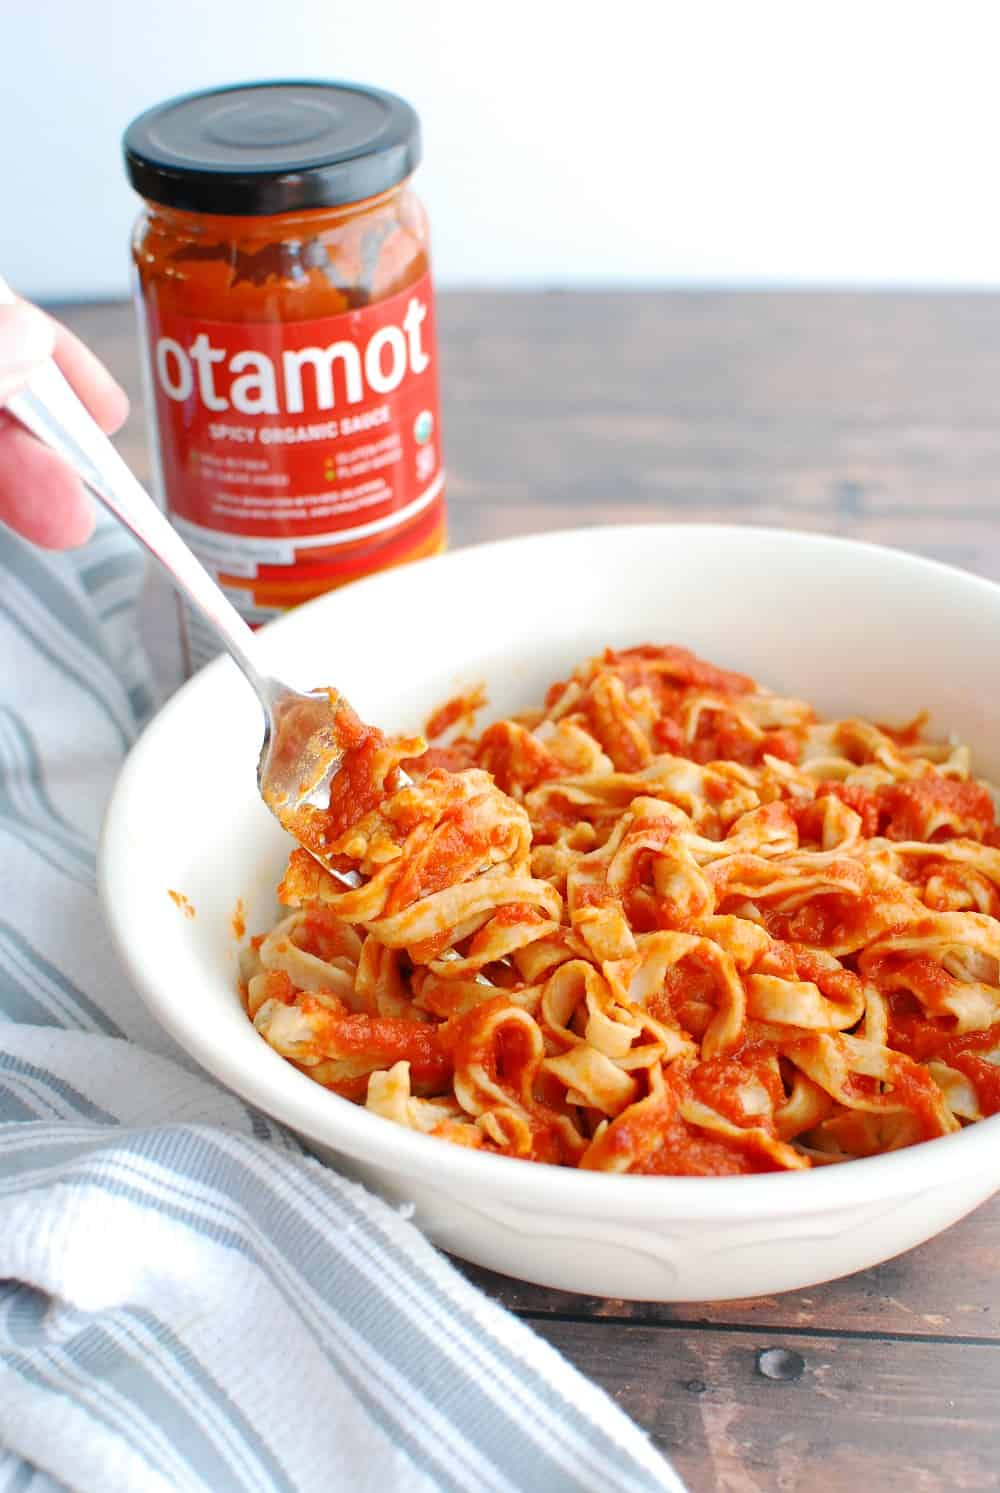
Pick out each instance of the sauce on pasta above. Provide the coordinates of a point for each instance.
(667, 922)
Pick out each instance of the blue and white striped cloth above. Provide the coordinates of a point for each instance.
(188, 1303)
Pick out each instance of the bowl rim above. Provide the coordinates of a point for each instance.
(331, 1121)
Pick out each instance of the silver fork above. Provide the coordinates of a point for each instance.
(301, 751)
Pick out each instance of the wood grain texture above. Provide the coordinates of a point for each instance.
(875, 416)
(890, 1417)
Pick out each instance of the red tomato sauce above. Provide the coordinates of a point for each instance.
(384, 1039)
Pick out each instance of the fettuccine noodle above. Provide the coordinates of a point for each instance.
(667, 923)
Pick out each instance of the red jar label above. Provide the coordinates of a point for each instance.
(291, 450)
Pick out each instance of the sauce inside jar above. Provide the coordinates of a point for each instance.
(284, 289)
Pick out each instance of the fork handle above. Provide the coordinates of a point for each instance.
(48, 407)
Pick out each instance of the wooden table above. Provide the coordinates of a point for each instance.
(871, 415)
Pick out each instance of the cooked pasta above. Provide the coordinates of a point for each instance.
(667, 922)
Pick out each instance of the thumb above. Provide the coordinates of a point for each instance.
(26, 340)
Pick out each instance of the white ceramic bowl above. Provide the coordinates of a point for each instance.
(851, 627)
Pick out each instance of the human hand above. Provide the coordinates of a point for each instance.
(40, 497)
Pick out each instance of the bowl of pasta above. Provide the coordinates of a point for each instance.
(673, 972)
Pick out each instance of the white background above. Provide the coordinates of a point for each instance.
(568, 142)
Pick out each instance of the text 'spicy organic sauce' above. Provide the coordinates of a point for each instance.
(285, 297)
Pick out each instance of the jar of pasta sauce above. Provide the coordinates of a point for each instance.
(284, 293)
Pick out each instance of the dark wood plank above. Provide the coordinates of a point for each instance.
(970, 542)
(893, 1417)
(867, 415)
(832, 407)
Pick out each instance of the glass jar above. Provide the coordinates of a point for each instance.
(285, 298)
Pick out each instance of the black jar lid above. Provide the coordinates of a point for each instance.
(262, 148)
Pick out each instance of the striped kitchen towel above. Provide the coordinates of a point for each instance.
(187, 1300)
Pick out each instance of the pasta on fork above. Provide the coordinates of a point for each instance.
(667, 923)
